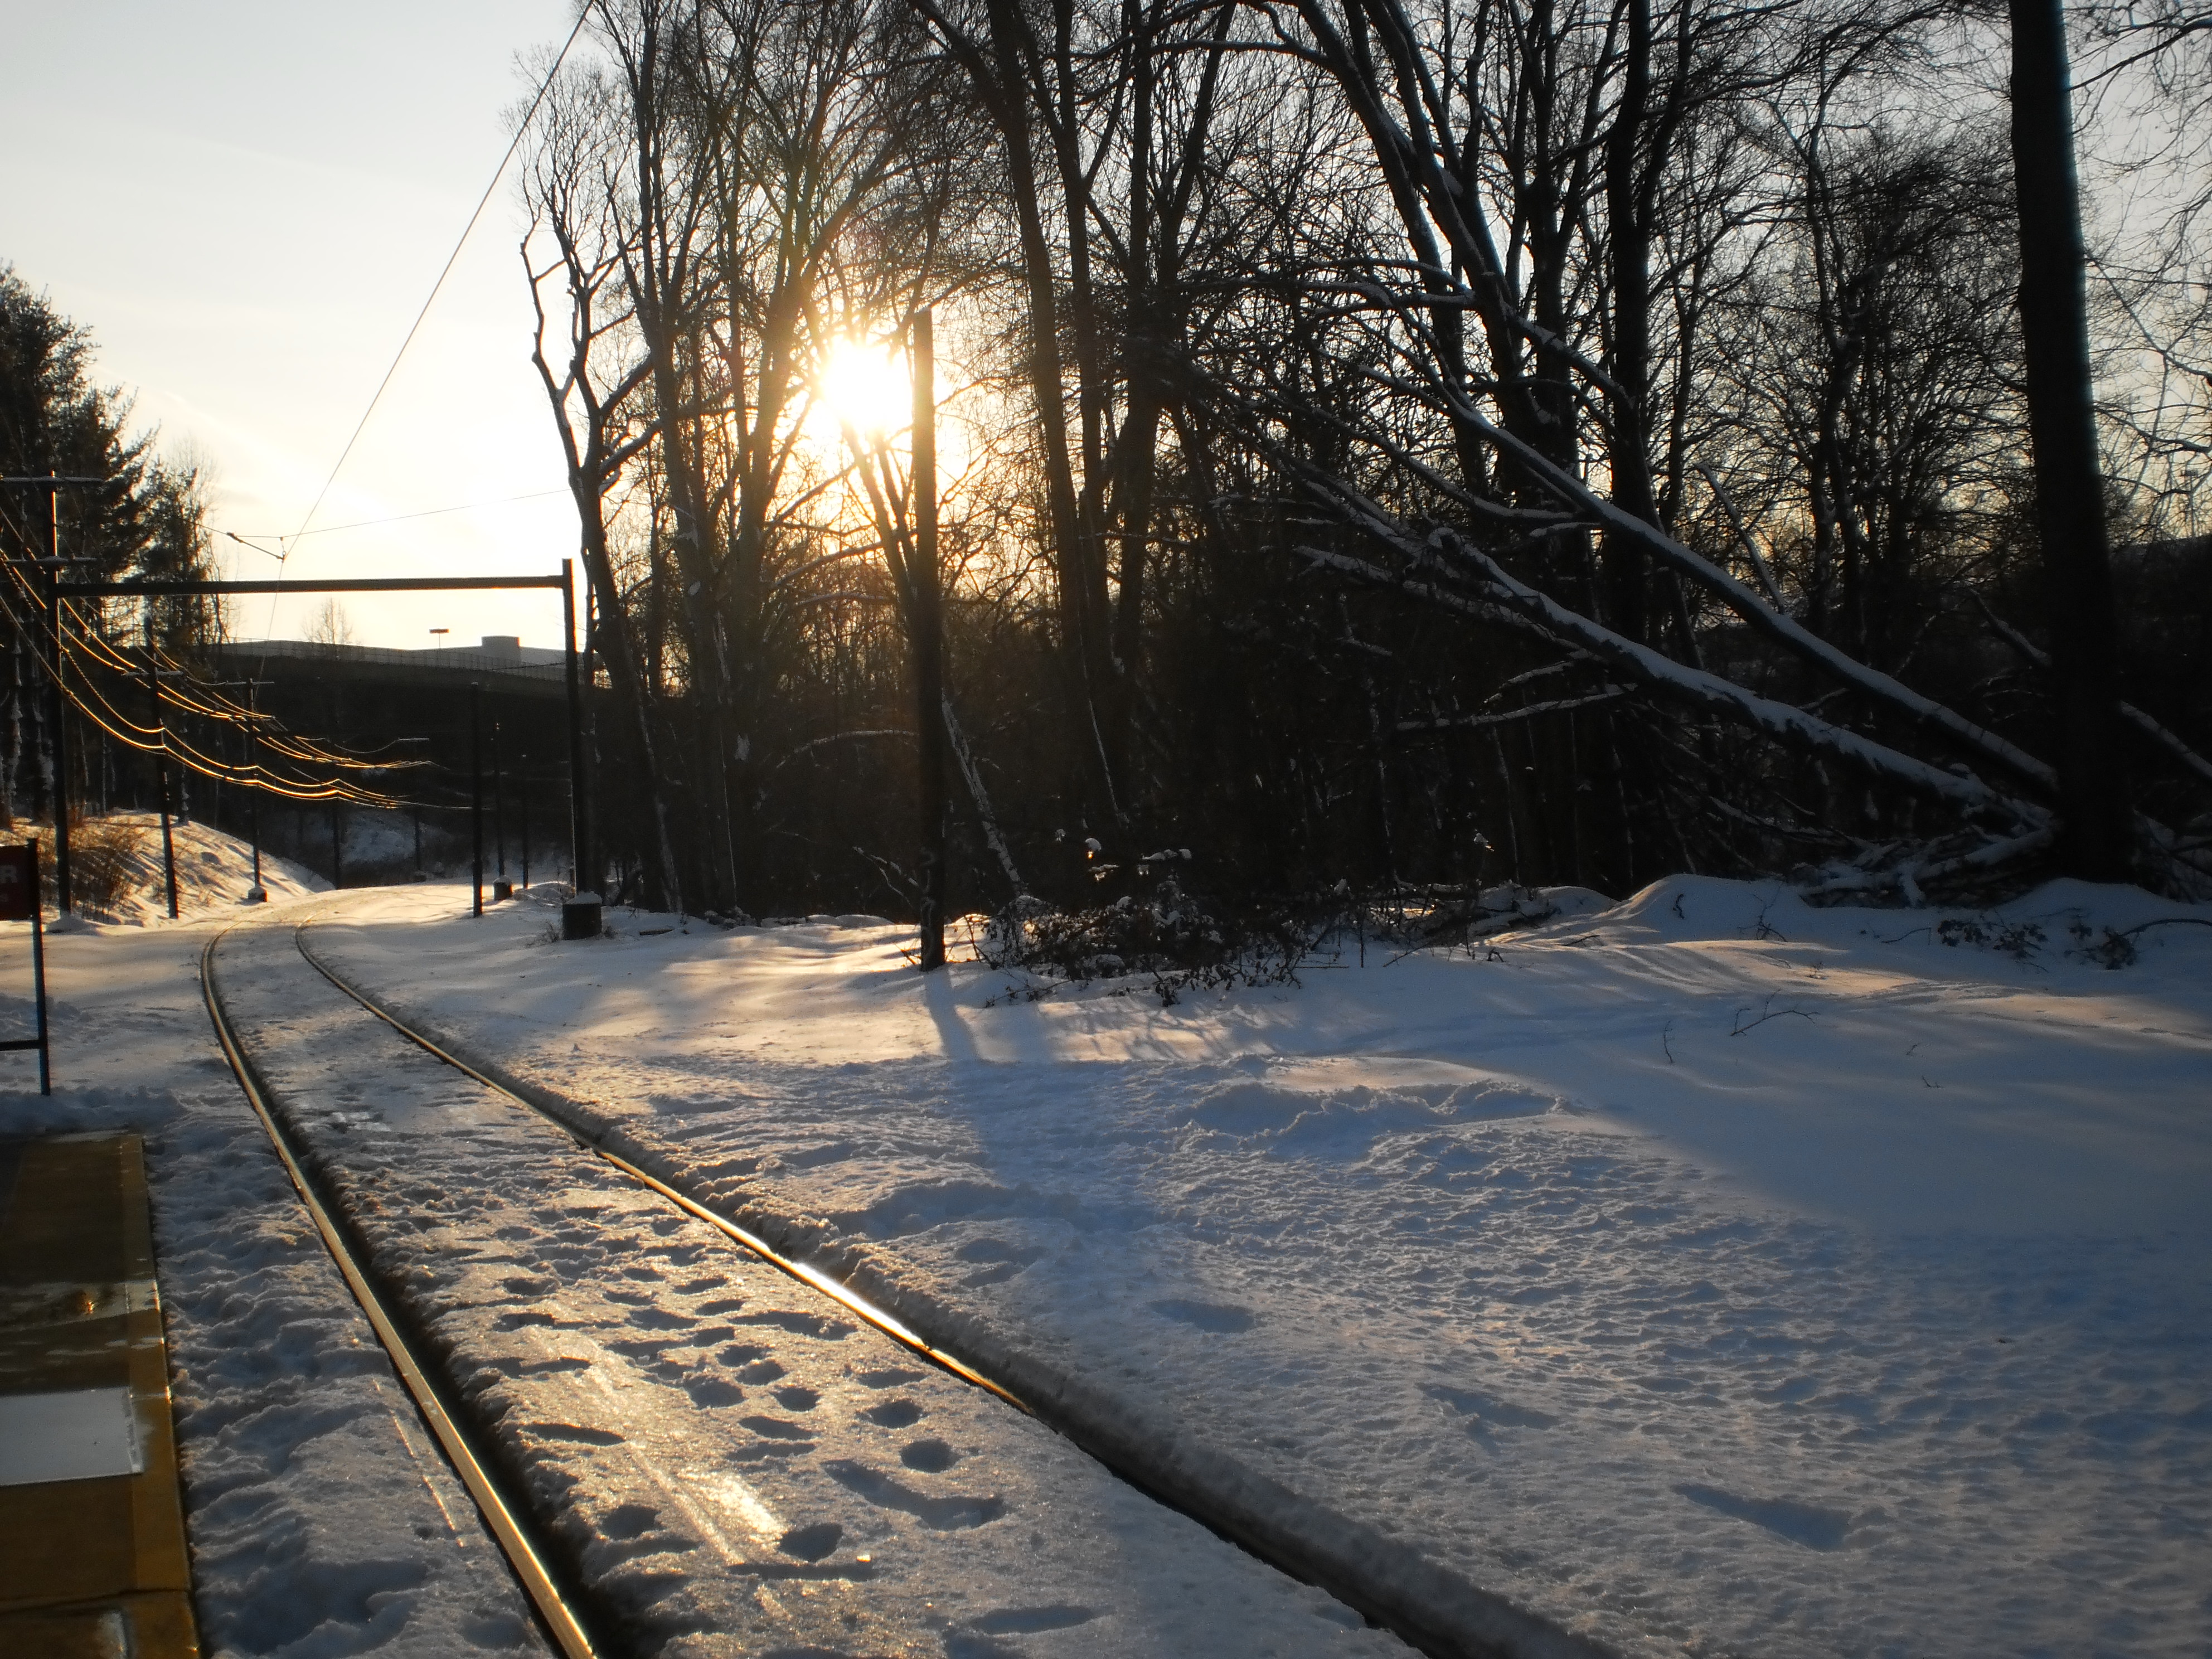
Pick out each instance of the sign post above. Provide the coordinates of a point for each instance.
(19, 901)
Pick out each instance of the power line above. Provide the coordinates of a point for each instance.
(521, 127)
(247, 540)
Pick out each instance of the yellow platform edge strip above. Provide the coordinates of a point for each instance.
(95, 1566)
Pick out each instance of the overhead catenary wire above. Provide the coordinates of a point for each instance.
(83, 645)
(82, 639)
(248, 540)
(513, 144)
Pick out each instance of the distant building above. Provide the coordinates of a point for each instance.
(409, 709)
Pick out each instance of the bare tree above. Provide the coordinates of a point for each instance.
(572, 186)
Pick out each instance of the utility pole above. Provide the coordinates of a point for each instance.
(522, 792)
(57, 706)
(414, 803)
(475, 794)
(579, 826)
(154, 676)
(498, 807)
(928, 644)
(256, 894)
(57, 700)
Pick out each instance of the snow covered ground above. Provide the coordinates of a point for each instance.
(1708, 1274)
(693, 1480)
(735, 1466)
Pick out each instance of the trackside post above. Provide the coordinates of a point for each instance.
(19, 901)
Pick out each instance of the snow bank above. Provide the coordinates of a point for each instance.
(214, 871)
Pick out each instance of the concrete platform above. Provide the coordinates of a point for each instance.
(92, 1536)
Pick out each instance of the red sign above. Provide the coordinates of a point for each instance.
(19, 884)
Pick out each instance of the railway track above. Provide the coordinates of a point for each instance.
(507, 1520)
(826, 1478)
(835, 1288)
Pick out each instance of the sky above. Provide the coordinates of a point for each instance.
(247, 203)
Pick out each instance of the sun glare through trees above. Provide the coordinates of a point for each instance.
(867, 387)
(1608, 441)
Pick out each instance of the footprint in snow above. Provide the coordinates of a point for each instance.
(999, 1260)
(938, 1513)
(1030, 1621)
(1221, 1317)
(929, 1456)
(1808, 1525)
(629, 1521)
(775, 1428)
(576, 1434)
(714, 1391)
(812, 1543)
(1488, 1411)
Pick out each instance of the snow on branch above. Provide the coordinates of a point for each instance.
(1529, 711)
(1500, 594)
(1784, 630)
(2143, 722)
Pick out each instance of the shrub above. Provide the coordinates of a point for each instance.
(102, 853)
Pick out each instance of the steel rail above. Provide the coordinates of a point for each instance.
(888, 1323)
(502, 1517)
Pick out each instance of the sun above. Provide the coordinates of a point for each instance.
(866, 388)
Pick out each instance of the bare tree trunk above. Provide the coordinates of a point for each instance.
(591, 467)
(659, 268)
(998, 74)
(2095, 825)
(1628, 242)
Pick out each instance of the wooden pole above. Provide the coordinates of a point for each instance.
(38, 977)
(498, 804)
(57, 699)
(475, 795)
(161, 767)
